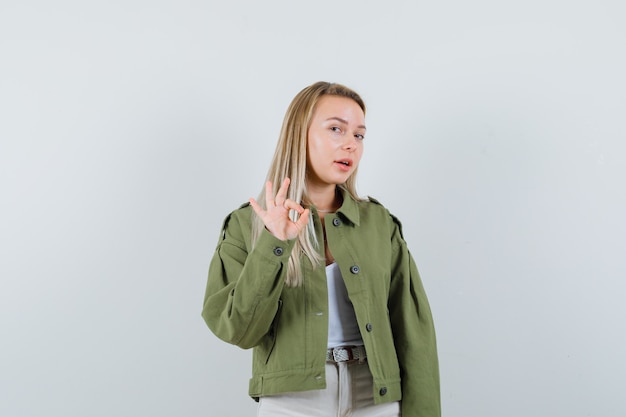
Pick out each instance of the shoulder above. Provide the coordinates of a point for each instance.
(373, 204)
(243, 210)
(238, 221)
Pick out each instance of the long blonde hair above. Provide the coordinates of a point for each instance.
(290, 159)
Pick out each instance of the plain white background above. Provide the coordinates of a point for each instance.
(129, 129)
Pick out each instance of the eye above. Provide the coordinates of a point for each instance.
(359, 136)
(336, 129)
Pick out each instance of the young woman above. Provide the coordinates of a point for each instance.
(320, 283)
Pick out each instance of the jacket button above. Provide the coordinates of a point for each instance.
(336, 222)
(383, 391)
(368, 327)
(355, 269)
(278, 251)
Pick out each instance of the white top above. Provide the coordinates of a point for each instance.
(343, 329)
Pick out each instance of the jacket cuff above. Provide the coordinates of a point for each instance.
(272, 248)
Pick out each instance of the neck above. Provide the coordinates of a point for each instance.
(325, 199)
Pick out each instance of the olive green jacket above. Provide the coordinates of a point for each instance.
(247, 304)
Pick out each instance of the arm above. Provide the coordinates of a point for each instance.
(414, 333)
(243, 288)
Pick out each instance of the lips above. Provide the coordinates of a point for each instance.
(344, 164)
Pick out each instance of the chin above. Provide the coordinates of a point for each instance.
(339, 179)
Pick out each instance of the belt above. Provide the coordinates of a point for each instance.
(346, 353)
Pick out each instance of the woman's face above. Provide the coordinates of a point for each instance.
(335, 140)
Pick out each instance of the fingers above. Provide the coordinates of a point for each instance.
(279, 201)
(281, 225)
(281, 196)
(275, 215)
(292, 205)
(303, 220)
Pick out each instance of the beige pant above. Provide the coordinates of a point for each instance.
(349, 392)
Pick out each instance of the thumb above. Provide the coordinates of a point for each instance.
(303, 220)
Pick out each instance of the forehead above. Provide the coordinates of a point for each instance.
(337, 106)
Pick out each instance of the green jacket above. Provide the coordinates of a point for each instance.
(247, 304)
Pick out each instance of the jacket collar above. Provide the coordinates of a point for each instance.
(349, 209)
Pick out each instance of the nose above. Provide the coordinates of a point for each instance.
(350, 144)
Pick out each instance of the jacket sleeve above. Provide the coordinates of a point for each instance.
(244, 285)
(414, 333)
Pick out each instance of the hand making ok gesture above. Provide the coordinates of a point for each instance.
(276, 216)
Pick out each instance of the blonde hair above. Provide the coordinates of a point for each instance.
(290, 160)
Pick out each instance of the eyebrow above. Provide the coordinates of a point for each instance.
(345, 122)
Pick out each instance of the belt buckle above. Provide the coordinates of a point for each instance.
(338, 354)
(343, 354)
